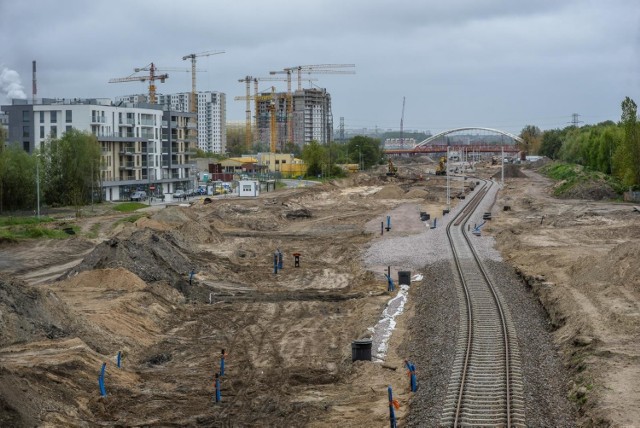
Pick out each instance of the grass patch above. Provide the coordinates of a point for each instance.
(18, 221)
(94, 231)
(127, 207)
(130, 219)
(31, 232)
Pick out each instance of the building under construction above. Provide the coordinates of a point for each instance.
(310, 117)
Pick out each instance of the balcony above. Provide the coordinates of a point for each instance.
(118, 137)
(128, 165)
(128, 121)
(98, 119)
(147, 122)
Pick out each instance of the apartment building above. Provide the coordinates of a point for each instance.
(143, 148)
(311, 117)
(212, 117)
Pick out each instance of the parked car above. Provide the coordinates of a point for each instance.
(179, 194)
(139, 196)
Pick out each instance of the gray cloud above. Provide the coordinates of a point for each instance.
(496, 63)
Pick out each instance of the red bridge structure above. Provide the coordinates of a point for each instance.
(500, 142)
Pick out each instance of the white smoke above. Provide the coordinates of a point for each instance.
(10, 84)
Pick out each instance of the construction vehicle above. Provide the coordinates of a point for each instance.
(442, 166)
(393, 170)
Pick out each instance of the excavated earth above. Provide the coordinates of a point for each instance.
(570, 277)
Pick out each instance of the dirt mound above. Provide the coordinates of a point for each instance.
(390, 192)
(152, 255)
(119, 305)
(621, 262)
(28, 313)
(416, 193)
(591, 189)
(510, 171)
(184, 220)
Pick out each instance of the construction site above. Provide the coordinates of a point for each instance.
(248, 311)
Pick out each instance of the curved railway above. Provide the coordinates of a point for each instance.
(485, 388)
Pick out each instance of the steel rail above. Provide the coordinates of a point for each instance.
(473, 390)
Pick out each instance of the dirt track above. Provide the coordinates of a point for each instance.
(288, 335)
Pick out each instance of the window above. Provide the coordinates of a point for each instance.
(54, 132)
(68, 128)
(42, 132)
(41, 117)
(54, 117)
(26, 116)
(69, 116)
(25, 132)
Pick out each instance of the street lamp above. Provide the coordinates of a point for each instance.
(38, 185)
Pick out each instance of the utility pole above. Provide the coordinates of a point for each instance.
(38, 186)
(502, 169)
(402, 126)
(448, 179)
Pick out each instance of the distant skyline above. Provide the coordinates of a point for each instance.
(489, 63)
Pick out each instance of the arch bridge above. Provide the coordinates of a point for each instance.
(438, 143)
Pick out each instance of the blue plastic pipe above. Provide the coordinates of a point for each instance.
(218, 395)
(390, 286)
(103, 391)
(119, 359)
(222, 363)
(392, 413)
(413, 380)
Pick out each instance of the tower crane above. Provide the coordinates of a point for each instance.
(151, 77)
(257, 98)
(272, 121)
(247, 130)
(315, 69)
(192, 57)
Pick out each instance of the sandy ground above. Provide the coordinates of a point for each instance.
(581, 258)
(68, 306)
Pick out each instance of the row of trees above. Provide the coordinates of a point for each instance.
(608, 147)
(321, 159)
(67, 171)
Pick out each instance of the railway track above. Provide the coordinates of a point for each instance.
(485, 388)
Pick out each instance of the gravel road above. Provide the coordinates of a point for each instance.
(434, 328)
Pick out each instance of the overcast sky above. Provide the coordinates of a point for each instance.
(492, 63)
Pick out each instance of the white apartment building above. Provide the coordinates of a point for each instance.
(138, 151)
(212, 117)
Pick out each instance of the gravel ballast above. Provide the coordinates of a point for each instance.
(434, 328)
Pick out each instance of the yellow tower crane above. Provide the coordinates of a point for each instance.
(308, 69)
(151, 77)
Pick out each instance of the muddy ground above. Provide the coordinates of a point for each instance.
(68, 306)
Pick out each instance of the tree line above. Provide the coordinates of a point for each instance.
(66, 170)
(608, 147)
